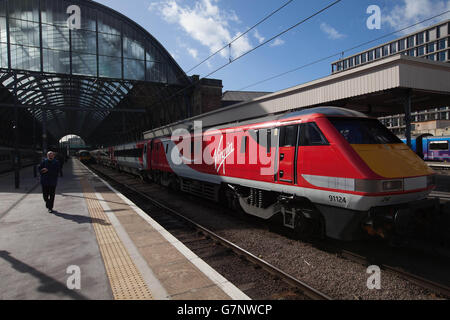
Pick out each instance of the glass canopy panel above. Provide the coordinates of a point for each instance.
(84, 41)
(157, 72)
(25, 58)
(108, 24)
(56, 61)
(110, 67)
(55, 37)
(84, 64)
(89, 17)
(134, 69)
(3, 55)
(132, 46)
(54, 12)
(118, 40)
(109, 45)
(3, 34)
(3, 9)
(24, 32)
(24, 10)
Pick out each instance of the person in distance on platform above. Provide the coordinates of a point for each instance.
(49, 169)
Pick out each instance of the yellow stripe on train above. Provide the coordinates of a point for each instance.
(392, 160)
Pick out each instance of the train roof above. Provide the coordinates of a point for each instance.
(322, 110)
(327, 111)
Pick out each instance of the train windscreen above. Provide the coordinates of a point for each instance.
(364, 131)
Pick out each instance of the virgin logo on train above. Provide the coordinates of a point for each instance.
(220, 156)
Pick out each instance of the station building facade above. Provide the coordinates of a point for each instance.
(432, 43)
(79, 67)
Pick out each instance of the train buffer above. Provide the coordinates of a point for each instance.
(96, 245)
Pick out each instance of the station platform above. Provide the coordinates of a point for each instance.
(96, 245)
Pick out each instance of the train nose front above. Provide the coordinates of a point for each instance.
(393, 161)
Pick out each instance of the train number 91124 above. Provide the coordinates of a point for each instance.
(338, 199)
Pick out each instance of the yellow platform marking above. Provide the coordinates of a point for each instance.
(125, 279)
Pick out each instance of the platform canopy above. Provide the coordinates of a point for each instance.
(83, 68)
(381, 88)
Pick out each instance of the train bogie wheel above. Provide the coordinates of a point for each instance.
(174, 184)
(304, 227)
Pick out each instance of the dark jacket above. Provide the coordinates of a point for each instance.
(51, 177)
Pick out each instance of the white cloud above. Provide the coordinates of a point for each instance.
(331, 32)
(193, 52)
(259, 37)
(413, 11)
(206, 23)
(277, 42)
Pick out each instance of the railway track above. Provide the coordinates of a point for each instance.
(210, 246)
(132, 185)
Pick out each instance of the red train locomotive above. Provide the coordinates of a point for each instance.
(326, 171)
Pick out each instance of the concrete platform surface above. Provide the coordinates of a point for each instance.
(97, 245)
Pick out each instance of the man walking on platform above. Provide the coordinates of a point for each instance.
(49, 170)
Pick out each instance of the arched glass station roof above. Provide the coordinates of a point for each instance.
(77, 75)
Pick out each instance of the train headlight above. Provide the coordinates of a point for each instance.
(378, 186)
(393, 185)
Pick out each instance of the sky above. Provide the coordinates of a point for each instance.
(191, 30)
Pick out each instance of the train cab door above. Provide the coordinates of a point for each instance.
(287, 153)
(155, 155)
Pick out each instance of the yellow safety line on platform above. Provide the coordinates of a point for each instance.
(125, 279)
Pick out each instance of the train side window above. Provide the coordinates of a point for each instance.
(439, 145)
(244, 144)
(288, 136)
(310, 135)
(265, 139)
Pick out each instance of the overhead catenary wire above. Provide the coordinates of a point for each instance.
(275, 36)
(342, 51)
(253, 49)
(241, 35)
